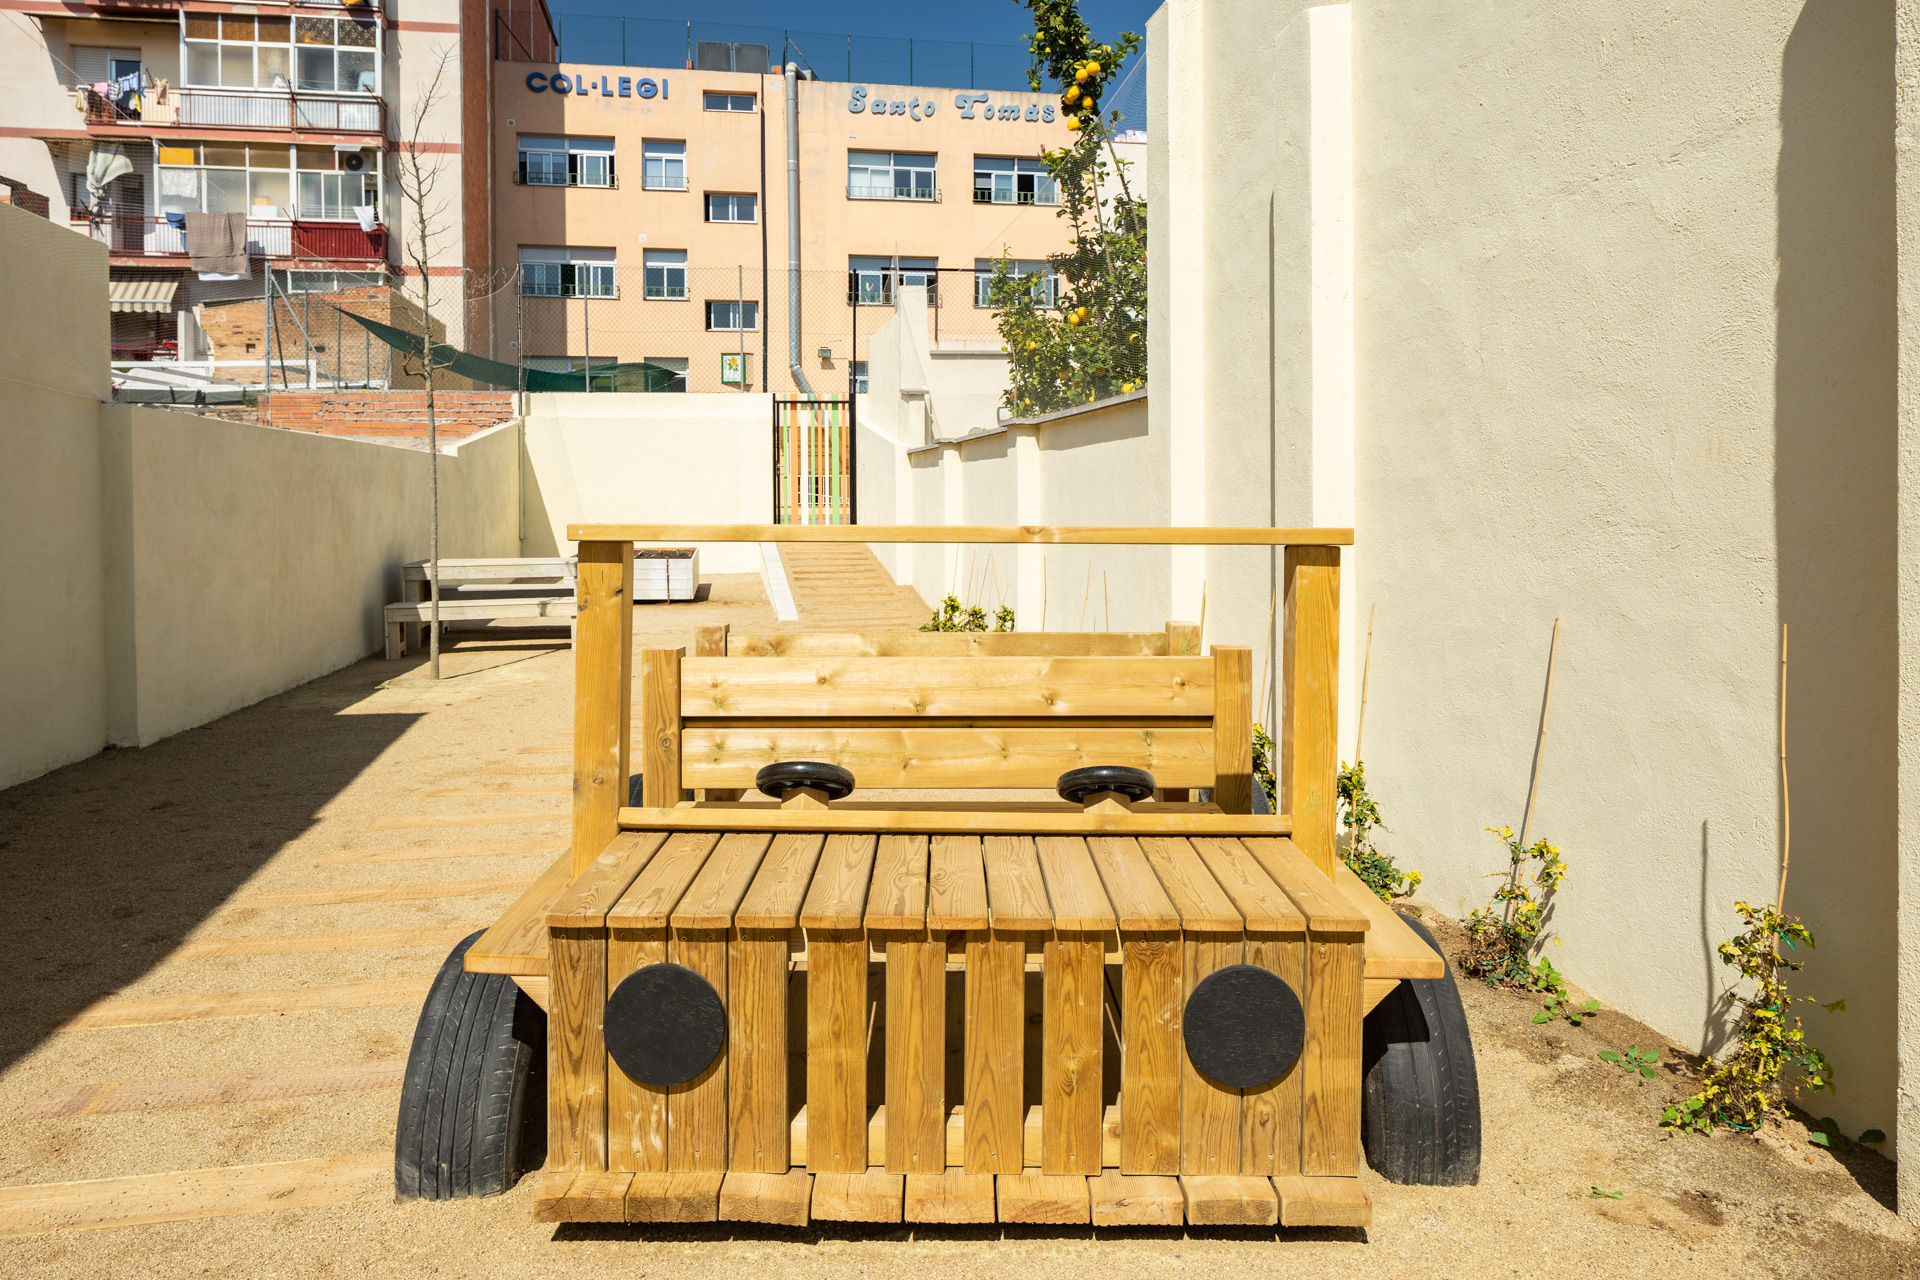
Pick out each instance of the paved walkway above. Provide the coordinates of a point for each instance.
(841, 586)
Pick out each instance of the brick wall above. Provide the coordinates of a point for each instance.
(342, 350)
(399, 414)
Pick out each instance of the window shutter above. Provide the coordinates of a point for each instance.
(90, 66)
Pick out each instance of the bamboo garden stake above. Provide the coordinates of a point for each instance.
(1786, 804)
(1366, 666)
(1540, 745)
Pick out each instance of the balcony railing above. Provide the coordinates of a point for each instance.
(155, 237)
(989, 195)
(527, 176)
(663, 182)
(867, 191)
(219, 109)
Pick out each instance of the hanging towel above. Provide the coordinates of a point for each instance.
(366, 214)
(217, 244)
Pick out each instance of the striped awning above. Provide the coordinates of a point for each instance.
(141, 295)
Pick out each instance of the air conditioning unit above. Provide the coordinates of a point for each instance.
(352, 159)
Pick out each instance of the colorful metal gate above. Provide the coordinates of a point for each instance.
(813, 457)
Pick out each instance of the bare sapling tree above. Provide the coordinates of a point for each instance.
(425, 212)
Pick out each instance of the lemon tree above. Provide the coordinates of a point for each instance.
(1079, 333)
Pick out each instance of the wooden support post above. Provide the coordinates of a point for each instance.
(1209, 1111)
(1151, 1053)
(697, 1110)
(636, 1113)
(602, 695)
(1330, 1102)
(576, 1052)
(1074, 982)
(1310, 681)
(1270, 1115)
(834, 917)
(916, 985)
(660, 727)
(996, 995)
(1233, 727)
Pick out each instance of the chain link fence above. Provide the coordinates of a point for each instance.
(714, 329)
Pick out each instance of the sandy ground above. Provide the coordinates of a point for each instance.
(110, 864)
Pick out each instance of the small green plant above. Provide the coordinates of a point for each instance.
(1502, 936)
(1745, 1089)
(954, 616)
(1559, 1005)
(1635, 1062)
(1598, 1194)
(1360, 815)
(1830, 1136)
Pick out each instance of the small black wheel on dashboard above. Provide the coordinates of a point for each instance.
(1077, 784)
(790, 775)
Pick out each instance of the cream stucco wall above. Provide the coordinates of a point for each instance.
(1907, 230)
(156, 538)
(649, 459)
(1619, 348)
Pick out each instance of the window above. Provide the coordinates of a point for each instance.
(566, 162)
(666, 271)
(890, 175)
(663, 165)
(267, 180)
(871, 281)
(567, 273)
(860, 377)
(1006, 180)
(91, 66)
(1045, 287)
(326, 281)
(728, 101)
(323, 55)
(677, 365)
(731, 208)
(726, 315)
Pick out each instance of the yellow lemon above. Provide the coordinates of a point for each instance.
(1080, 76)
(1093, 68)
(1073, 93)
(1032, 345)
(1073, 125)
(1073, 317)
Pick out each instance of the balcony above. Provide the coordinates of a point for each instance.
(868, 191)
(224, 109)
(155, 237)
(525, 176)
(995, 195)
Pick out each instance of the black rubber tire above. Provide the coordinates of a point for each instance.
(777, 779)
(1420, 1104)
(472, 1104)
(1076, 785)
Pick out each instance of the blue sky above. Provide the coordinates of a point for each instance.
(989, 21)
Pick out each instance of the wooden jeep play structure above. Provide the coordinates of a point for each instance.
(758, 995)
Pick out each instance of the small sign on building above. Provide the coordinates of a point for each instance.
(733, 369)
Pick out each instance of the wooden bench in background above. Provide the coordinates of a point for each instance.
(487, 589)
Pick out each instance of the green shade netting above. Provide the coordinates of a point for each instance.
(497, 373)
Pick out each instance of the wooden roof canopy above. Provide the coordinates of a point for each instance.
(1038, 534)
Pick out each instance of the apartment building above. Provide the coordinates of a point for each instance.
(648, 213)
(128, 116)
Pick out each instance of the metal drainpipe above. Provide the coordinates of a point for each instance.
(793, 230)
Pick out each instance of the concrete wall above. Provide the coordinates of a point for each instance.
(1907, 303)
(1589, 317)
(652, 459)
(293, 541)
(53, 636)
(154, 538)
(1098, 464)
